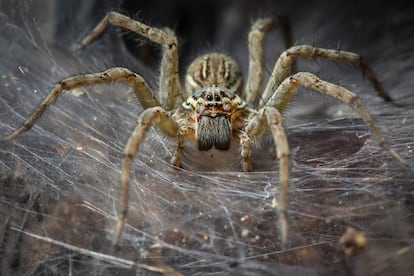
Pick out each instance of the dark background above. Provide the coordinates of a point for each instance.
(60, 180)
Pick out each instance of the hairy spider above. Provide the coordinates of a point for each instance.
(215, 108)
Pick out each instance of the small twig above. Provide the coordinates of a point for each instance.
(165, 270)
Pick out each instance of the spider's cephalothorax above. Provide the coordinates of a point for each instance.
(216, 110)
(215, 113)
(214, 79)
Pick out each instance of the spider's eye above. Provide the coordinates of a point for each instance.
(241, 104)
(209, 98)
(200, 107)
(227, 106)
(217, 98)
(186, 105)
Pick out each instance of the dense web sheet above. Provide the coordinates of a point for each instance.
(60, 180)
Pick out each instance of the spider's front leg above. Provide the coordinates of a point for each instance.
(289, 86)
(176, 159)
(257, 127)
(283, 67)
(169, 83)
(141, 88)
(163, 119)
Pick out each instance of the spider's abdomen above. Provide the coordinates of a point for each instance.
(214, 69)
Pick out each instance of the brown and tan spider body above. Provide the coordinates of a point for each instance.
(215, 113)
(215, 108)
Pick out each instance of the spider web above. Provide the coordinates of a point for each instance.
(60, 180)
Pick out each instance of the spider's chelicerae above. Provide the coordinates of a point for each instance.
(215, 109)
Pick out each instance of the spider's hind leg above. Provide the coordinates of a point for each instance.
(260, 27)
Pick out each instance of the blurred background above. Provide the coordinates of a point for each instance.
(60, 180)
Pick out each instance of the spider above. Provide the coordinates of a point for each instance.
(215, 108)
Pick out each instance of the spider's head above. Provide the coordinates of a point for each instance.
(214, 69)
(214, 108)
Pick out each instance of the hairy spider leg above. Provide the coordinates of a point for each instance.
(283, 67)
(169, 83)
(289, 86)
(162, 118)
(254, 83)
(259, 124)
(141, 88)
